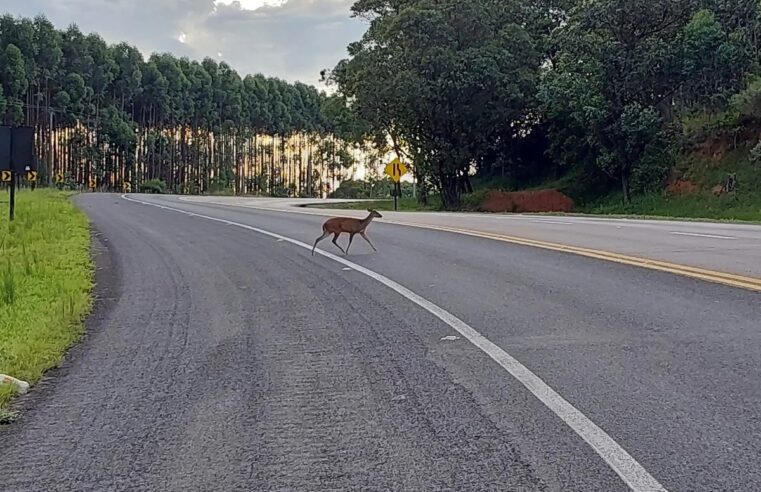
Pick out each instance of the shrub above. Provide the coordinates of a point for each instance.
(155, 186)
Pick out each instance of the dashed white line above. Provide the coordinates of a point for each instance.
(551, 222)
(631, 472)
(695, 234)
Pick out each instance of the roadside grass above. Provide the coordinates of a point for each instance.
(703, 206)
(45, 283)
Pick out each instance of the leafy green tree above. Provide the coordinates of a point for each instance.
(715, 63)
(127, 84)
(446, 78)
(614, 82)
(14, 82)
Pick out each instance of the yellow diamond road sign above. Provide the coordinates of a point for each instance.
(31, 176)
(395, 170)
(6, 176)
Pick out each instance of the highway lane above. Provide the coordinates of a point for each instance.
(227, 360)
(223, 361)
(725, 247)
(663, 352)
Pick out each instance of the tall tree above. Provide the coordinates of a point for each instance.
(14, 82)
(442, 78)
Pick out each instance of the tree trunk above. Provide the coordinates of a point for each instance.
(625, 186)
(467, 184)
(422, 187)
(450, 198)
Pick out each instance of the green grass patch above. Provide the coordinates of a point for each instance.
(694, 206)
(405, 205)
(45, 283)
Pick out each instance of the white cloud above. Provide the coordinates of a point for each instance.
(252, 4)
(290, 39)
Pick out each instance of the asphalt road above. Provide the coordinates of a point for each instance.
(222, 358)
(726, 247)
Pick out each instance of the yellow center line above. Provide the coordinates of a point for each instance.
(732, 280)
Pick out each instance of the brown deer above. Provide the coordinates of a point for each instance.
(352, 227)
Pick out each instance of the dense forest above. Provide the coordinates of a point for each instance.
(105, 115)
(601, 95)
(605, 93)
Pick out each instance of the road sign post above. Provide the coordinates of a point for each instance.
(12, 205)
(6, 167)
(7, 176)
(396, 170)
(31, 177)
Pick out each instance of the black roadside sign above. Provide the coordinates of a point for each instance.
(5, 148)
(22, 150)
(17, 158)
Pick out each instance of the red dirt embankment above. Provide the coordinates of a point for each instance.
(527, 202)
(681, 187)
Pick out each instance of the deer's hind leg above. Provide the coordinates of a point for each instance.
(351, 238)
(335, 241)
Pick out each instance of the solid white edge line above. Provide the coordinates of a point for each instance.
(695, 234)
(631, 472)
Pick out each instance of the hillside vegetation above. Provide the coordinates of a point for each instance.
(615, 102)
(693, 197)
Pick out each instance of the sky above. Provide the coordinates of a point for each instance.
(290, 39)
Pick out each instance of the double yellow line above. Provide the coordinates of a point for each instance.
(729, 279)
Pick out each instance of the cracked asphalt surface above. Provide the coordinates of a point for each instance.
(221, 359)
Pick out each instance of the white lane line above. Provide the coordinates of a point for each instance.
(551, 222)
(695, 234)
(631, 472)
